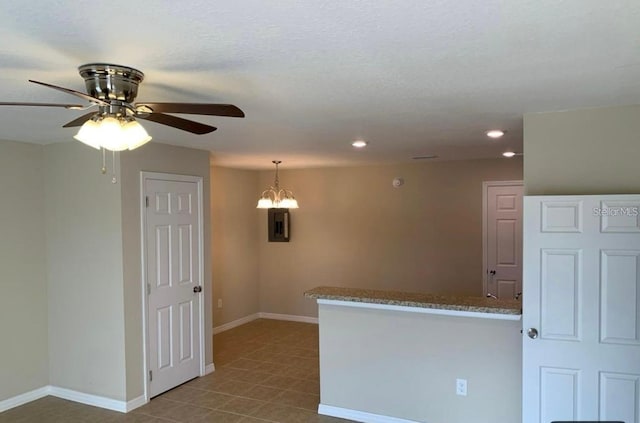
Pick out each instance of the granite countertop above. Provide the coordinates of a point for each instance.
(413, 299)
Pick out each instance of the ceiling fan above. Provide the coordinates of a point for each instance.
(113, 89)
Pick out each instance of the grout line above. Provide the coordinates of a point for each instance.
(282, 347)
(273, 401)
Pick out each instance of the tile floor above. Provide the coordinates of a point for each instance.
(266, 371)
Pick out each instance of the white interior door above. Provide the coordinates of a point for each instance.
(174, 277)
(503, 238)
(582, 296)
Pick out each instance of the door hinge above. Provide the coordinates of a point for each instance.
(146, 201)
(150, 376)
(148, 289)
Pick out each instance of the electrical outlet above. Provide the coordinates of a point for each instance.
(461, 387)
(219, 302)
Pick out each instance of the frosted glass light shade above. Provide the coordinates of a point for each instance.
(135, 135)
(114, 134)
(285, 203)
(288, 203)
(265, 203)
(89, 134)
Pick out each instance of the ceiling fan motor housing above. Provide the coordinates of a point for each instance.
(111, 82)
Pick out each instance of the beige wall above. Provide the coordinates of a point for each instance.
(591, 151)
(354, 229)
(405, 365)
(155, 157)
(23, 301)
(235, 239)
(84, 269)
(71, 266)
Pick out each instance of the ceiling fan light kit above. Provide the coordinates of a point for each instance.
(113, 88)
(112, 133)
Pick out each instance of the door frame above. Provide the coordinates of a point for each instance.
(485, 190)
(198, 180)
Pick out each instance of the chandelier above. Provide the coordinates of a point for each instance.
(275, 197)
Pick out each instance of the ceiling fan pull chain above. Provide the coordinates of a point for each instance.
(114, 159)
(104, 161)
(114, 180)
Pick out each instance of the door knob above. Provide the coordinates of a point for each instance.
(197, 289)
(532, 333)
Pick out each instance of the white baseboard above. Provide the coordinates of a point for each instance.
(21, 399)
(235, 323)
(135, 403)
(289, 317)
(209, 368)
(88, 399)
(359, 416)
(263, 315)
(68, 394)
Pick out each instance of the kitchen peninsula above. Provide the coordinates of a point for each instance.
(399, 357)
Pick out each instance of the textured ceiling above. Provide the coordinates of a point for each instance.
(410, 77)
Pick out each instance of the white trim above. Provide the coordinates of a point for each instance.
(75, 396)
(263, 315)
(209, 368)
(88, 399)
(21, 399)
(135, 403)
(359, 416)
(236, 323)
(198, 180)
(422, 310)
(143, 283)
(485, 189)
(289, 317)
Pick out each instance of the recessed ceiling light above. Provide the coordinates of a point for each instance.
(359, 144)
(509, 154)
(495, 133)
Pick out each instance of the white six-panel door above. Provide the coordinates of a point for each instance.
(503, 238)
(582, 296)
(173, 275)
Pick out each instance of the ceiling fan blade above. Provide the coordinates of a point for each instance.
(79, 121)
(195, 109)
(179, 123)
(73, 92)
(66, 106)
